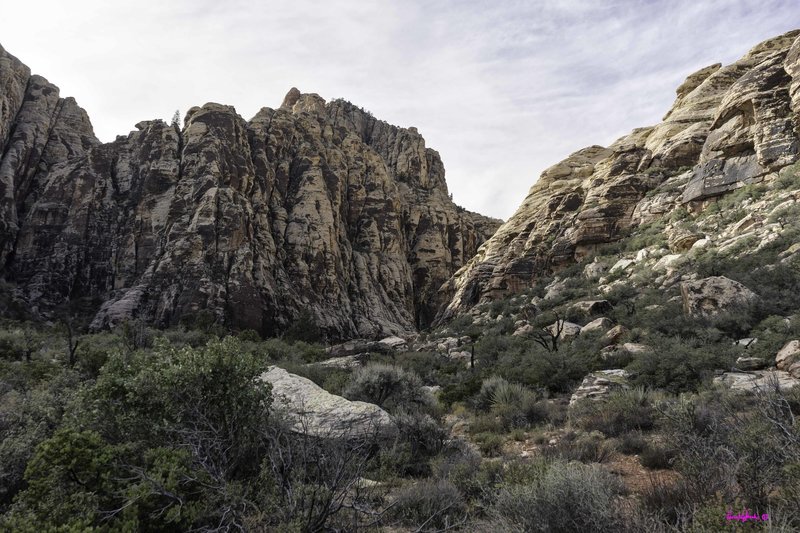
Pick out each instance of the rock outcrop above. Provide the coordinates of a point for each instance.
(729, 126)
(314, 211)
(598, 385)
(715, 295)
(758, 380)
(38, 131)
(315, 411)
(788, 358)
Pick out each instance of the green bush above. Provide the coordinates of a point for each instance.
(429, 505)
(585, 449)
(631, 443)
(388, 386)
(420, 438)
(566, 498)
(622, 411)
(731, 447)
(657, 456)
(490, 444)
(678, 365)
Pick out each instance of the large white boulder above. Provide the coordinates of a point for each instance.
(315, 411)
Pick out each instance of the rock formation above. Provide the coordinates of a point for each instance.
(314, 411)
(729, 126)
(314, 210)
(715, 295)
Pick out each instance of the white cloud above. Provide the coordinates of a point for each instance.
(502, 89)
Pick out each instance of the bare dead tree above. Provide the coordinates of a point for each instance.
(549, 336)
(72, 339)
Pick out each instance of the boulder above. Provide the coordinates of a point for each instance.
(592, 307)
(446, 344)
(598, 324)
(395, 343)
(613, 335)
(665, 263)
(622, 354)
(757, 380)
(524, 330)
(714, 295)
(315, 411)
(595, 270)
(746, 342)
(788, 358)
(750, 363)
(555, 289)
(356, 347)
(598, 385)
(634, 348)
(680, 240)
(347, 362)
(622, 265)
(568, 329)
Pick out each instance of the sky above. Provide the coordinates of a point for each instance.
(502, 89)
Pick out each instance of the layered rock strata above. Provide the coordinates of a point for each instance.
(729, 126)
(314, 211)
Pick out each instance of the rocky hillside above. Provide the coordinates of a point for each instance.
(313, 210)
(729, 126)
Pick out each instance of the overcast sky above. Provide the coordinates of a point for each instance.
(502, 89)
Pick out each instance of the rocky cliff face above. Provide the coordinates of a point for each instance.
(729, 126)
(313, 207)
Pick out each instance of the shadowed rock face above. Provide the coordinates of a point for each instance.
(314, 207)
(729, 126)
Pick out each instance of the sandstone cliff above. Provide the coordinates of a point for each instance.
(729, 126)
(313, 207)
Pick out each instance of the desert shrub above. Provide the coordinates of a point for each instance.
(566, 498)
(518, 435)
(620, 412)
(478, 480)
(631, 443)
(666, 499)
(420, 438)
(657, 456)
(516, 406)
(194, 338)
(460, 324)
(485, 396)
(20, 341)
(788, 178)
(679, 365)
(556, 371)
(388, 386)
(486, 423)
(94, 350)
(174, 421)
(490, 444)
(248, 335)
(734, 449)
(429, 505)
(431, 367)
(28, 416)
(585, 449)
(460, 391)
(304, 328)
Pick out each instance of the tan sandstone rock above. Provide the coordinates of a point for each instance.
(714, 295)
